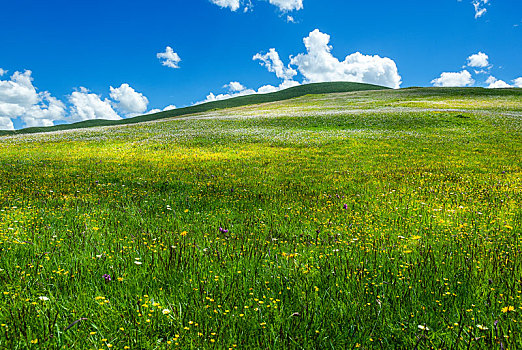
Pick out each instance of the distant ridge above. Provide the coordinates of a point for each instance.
(297, 91)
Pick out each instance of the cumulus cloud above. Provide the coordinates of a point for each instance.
(288, 5)
(454, 79)
(478, 60)
(19, 98)
(319, 65)
(168, 108)
(169, 58)
(87, 106)
(246, 5)
(273, 63)
(494, 83)
(18, 91)
(235, 86)
(518, 82)
(45, 113)
(2, 72)
(6, 123)
(235, 89)
(231, 4)
(129, 101)
(480, 7)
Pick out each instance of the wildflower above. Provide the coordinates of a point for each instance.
(166, 311)
(508, 309)
(43, 298)
(138, 262)
(222, 230)
(183, 234)
(345, 207)
(482, 328)
(423, 327)
(107, 277)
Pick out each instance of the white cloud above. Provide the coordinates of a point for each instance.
(10, 110)
(288, 5)
(235, 86)
(168, 108)
(494, 83)
(282, 5)
(6, 123)
(169, 58)
(265, 89)
(452, 79)
(87, 106)
(18, 91)
(480, 7)
(231, 4)
(274, 64)
(129, 101)
(236, 89)
(284, 85)
(45, 113)
(319, 65)
(19, 98)
(245, 91)
(478, 60)
(518, 82)
(2, 72)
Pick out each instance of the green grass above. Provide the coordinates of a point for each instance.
(375, 220)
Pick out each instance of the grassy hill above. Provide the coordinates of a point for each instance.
(297, 91)
(385, 219)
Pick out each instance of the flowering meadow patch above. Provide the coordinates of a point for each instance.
(387, 219)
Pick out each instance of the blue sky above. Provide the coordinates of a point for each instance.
(77, 50)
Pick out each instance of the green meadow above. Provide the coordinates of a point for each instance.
(375, 220)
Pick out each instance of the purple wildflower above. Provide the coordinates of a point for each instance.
(345, 206)
(222, 230)
(107, 277)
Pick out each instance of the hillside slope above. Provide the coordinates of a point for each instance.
(297, 91)
(376, 219)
